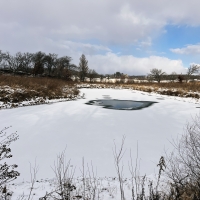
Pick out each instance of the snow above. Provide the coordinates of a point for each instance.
(89, 131)
(107, 188)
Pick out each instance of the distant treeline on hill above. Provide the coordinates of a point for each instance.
(51, 65)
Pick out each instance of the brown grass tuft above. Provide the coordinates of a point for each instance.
(16, 89)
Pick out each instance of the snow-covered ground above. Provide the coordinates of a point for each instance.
(106, 188)
(89, 131)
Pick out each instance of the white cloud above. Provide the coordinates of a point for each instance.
(104, 61)
(109, 62)
(131, 65)
(67, 27)
(113, 21)
(146, 43)
(85, 48)
(188, 50)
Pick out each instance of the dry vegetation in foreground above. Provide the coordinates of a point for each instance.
(178, 176)
(15, 89)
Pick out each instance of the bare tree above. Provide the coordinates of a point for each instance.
(149, 78)
(173, 76)
(51, 60)
(27, 63)
(118, 155)
(156, 74)
(192, 69)
(92, 74)
(39, 60)
(101, 77)
(63, 67)
(118, 75)
(83, 67)
(11, 62)
(19, 62)
(40, 63)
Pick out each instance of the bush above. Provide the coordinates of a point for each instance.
(184, 164)
(7, 172)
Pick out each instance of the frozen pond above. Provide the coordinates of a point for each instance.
(120, 104)
(89, 131)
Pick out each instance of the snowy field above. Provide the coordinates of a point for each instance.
(89, 131)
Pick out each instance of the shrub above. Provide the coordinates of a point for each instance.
(7, 172)
(184, 164)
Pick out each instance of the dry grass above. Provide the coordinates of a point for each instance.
(27, 88)
(173, 89)
(33, 83)
(188, 87)
(16, 89)
(191, 89)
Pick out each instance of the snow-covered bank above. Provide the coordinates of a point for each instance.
(167, 90)
(13, 97)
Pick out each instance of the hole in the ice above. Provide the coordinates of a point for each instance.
(121, 104)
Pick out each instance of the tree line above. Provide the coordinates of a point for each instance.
(51, 65)
(158, 75)
(43, 64)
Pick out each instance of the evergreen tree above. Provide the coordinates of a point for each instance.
(83, 67)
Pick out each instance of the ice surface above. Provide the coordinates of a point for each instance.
(89, 131)
(117, 104)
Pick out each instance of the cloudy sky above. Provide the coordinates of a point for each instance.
(129, 36)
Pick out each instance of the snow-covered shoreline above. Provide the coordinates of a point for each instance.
(8, 102)
(188, 96)
(89, 131)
